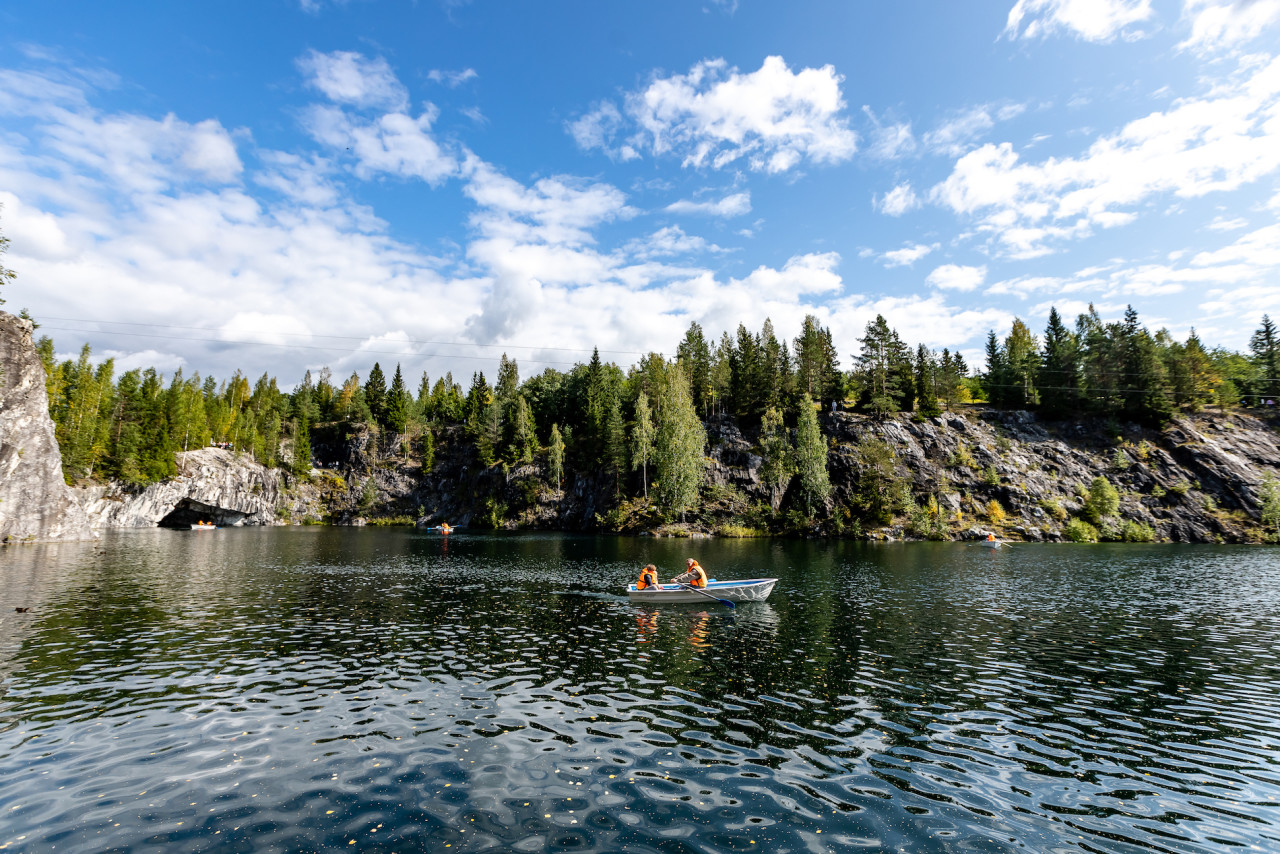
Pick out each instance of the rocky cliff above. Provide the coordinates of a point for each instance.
(212, 485)
(35, 502)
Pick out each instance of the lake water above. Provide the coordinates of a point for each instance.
(314, 689)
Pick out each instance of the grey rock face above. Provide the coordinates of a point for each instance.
(35, 502)
(212, 485)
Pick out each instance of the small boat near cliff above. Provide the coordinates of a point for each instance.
(204, 526)
(748, 590)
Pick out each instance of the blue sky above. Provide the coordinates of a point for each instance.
(281, 185)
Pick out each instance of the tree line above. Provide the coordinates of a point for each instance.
(645, 426)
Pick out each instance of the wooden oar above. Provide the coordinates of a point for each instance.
(708, 595)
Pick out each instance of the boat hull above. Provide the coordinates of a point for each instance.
(750, 590)
(204, 527)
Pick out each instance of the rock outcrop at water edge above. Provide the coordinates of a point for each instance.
(35, 502)
(212, 485)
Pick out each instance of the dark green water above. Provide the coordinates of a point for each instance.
(325, 689)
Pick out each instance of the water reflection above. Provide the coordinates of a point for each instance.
(301, 689)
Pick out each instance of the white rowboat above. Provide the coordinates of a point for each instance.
(749, 590)
(201, 527)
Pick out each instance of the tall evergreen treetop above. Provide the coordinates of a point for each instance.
(375, 394)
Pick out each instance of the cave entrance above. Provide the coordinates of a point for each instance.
(188, 512)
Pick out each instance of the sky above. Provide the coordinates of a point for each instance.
(280, 185)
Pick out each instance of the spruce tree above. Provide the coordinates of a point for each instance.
(615, 445)
(375, 394)
(928, 387)
(397, 404)
(880, 369)
(1265, 345)
(996, 381)
(811, 457)
(1059, 377)
(1022, 361)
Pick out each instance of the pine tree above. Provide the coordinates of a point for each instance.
(375, 394)
(642, 436)
(678, 449)
(817, 365)
(695, 355)
(996, 381)
(879, 366)
(301, 445)
(811, 457)
(927, 385)
(524, 440)
(428, 450)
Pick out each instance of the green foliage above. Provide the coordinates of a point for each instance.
(1157, 491)
(961, 457)
(811, 457)
(678, 449)
(878, 482)
(428, 445)
(643, 434)
(927, 521)
(1269, 506)
(778, 456)
(368, 495)
(1120, 460)
(1136, 532)
(1055, 509)
(1181, 488)
(555, 455)
(739, 532)
(391, 521)
(1080, 531)
(495, 512)
(1102, 501)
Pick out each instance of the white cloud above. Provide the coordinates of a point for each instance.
(889, 142)
(958, 134)
(1215, 143)
(907, 255)
(1091, 20)
(1223, 224)
(957, 277)
(452, 79)
(1223, 24)
(668, 241)
(715, 116)
(736, 204)
(255, 326)
(897, 201)
(346, 77)
(395, 143)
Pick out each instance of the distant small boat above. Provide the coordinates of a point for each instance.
(203, 526)
(991, 544)
(749, 590)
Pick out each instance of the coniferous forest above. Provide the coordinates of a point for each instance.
(644, 425)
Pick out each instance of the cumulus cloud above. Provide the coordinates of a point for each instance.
(907, 255)
(1224, 24)
(1218, 142)
(736, 204)
(666, 242)
(957, 277)
(715, 116)
(897, 201)
(393, 143)
(1091, 20)
(346, 77)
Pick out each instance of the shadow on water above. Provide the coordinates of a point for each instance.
(297, 689)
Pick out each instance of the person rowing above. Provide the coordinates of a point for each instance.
(695, 576)
(648, 577)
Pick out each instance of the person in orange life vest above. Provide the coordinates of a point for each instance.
(696, 576)
(648, 578)
(991, 538)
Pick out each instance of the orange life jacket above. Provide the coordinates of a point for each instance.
(699, 576)
(647, 579)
